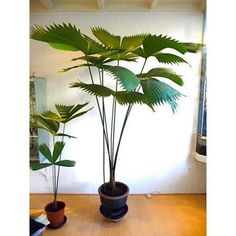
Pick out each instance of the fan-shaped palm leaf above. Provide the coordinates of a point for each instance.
(164, 73)
(45, 151)
(169, 58)
(157, 93)
(57, 150)
(127, 79)
(106, 38)
(63, 37)
(48, 124)
(153, 44)
(93, 89)
(130, 43)
(122, 97)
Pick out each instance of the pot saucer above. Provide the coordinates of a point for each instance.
(114, 215)
(50, 226)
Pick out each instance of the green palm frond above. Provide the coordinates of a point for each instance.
(57, 150)
(158, 93)
(153, 44)
(127, 79)
(164, 73)
(39, 166)
(63, 37)
(130, 43)
(125, 98)
(75, 67)
(68, 113)
(66, 163)
(45, 151)
(48, 124)
(169, 58)
(51, 115)
(106, 38)
(93, 46)
(193, 47)
(93, 89)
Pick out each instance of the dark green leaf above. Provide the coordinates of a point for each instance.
(93, 89)
(38, 166)
(153, 44)
(43, 148)
(57, 150)
(125, 98)
(66, 163)
(169, 58)
(63, 37)
(164, 73)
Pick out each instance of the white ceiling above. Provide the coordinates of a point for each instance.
(116, 5)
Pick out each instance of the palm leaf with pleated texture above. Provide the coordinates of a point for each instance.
(130, 43)
(45, 151)
(57, 150)
(164, 73)
(93, 89)
(38, 166)
(127, 79)
(50, 125)
(153, 44)
(51, 115)
(169, 58)
(158, 93)
(93, 46)
(123, 97)
(66, 163)
(106, 38)
(63, 37)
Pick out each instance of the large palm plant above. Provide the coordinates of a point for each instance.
(105, 54)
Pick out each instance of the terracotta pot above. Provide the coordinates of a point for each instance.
(55, 216)
(113, 203)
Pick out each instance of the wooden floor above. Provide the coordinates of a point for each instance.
(161, 215)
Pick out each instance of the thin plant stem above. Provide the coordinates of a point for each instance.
(113, 125)
(103, 137)
(54, 179)
(58, 168)
(101, 118)
(124, 124)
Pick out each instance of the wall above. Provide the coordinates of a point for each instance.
(157, 152)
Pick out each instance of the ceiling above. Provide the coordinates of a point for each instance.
(116, 5)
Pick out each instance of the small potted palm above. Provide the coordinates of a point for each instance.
(103, 56)
(51, 122)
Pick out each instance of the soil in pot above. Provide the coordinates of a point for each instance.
(120, 189)
(55, 215)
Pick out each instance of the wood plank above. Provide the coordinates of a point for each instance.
(161, 215)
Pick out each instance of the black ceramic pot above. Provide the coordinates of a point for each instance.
(113, 203)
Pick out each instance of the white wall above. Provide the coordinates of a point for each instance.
(157, 152)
